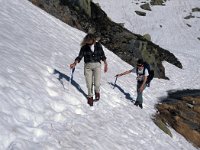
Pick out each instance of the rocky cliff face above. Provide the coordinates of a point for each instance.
(87, 16)
(82, 4)
(181, 110)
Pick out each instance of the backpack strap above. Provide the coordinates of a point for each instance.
(144, 70)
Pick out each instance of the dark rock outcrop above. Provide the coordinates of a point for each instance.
(157, 2)
(82, 4)
(192, 13)
(196, 9)
(128, 46)
(146, 7)
(181, 110)
(189, 16)
(140, 13)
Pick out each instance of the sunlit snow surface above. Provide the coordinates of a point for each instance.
(40, 109)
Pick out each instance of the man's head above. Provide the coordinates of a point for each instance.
(140, 64)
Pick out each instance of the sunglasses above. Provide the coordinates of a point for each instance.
(139, 65)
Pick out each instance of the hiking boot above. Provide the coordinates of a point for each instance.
(136, 103)
(140, 105)
(97, 96)
(90, 101)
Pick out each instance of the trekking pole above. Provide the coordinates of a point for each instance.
(115, 82)
(71, 75)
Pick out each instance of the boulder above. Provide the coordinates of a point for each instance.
(157, 2)
(140, 13)
(83, 5)
(182, 114)
(146, 7)
(196, 9)
(162, 126)
(147, 37)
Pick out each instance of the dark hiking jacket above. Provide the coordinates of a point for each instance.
(89, 55)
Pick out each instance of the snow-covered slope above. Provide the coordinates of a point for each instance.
(38, 112)
(165, 24)
(174, 35)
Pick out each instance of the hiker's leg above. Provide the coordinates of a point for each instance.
(139, 94)
(139, 98)
(97, 77)
(88, 78)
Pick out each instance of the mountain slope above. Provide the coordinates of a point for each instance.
(38, 112)
(165, 24)
(175, 35)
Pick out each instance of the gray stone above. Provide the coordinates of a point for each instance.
(157, 2)
(146, 6)
(162, 126)
(189, 16)
(197, 9)
(147, 37)
(85, 5)
(140, 13)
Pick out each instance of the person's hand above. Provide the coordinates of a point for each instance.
(73, 65)
(105, 67)
(118, 75)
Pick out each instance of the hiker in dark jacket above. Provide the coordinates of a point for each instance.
(93, 54)
(142, 74)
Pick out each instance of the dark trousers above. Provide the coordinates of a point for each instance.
(139, 98)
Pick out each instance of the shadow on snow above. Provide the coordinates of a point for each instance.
(127, 95)
(74, 83)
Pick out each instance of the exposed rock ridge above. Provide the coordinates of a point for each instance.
(127, 45)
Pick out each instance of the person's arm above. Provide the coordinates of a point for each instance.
(124, 73)
(73, 64)
(105, 66)
(102, 56)
(100, 48)
(78, 59)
